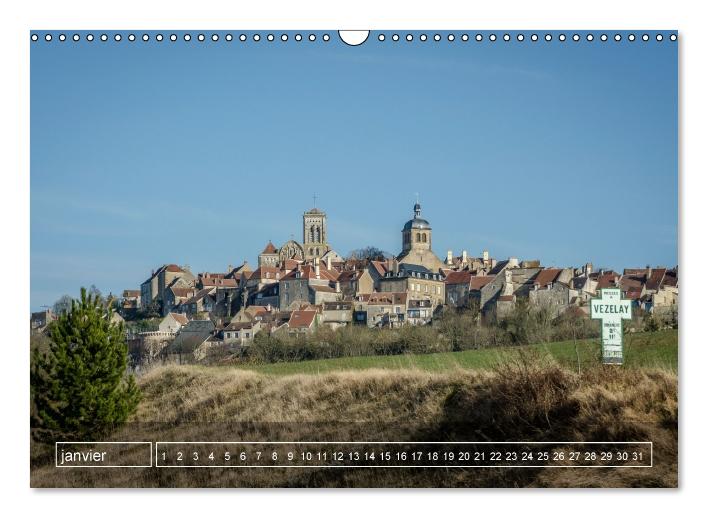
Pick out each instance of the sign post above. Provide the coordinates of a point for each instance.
(611, 309)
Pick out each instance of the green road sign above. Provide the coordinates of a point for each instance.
(611, 309)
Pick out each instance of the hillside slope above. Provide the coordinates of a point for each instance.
(528, 399)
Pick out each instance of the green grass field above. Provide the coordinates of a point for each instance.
(658, 349)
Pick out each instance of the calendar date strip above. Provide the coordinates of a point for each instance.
(333, 454)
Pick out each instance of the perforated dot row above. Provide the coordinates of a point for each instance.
(450, 37)
(186, 37)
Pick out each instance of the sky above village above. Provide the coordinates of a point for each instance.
(198, 153)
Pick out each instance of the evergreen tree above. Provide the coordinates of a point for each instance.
(80, 388)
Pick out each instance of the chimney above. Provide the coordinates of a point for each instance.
(464, 256)
(449, 257)
(229, 268)
(508, 283)
(317, 268)
(338, 287)
(485, 255)
(329, 262)
(395, 266)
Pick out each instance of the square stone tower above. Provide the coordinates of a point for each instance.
(314, 234)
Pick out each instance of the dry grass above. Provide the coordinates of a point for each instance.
(531, 399)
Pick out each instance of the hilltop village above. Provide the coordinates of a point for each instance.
(300, 286)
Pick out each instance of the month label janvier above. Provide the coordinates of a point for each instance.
(103, 454)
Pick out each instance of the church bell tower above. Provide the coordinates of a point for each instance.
(314, 233)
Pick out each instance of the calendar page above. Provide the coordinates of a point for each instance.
(354, 259)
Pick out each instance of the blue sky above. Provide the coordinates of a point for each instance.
(198, 153)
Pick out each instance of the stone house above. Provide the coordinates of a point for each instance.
(241, 333)
(262, 276)
(377, 270)
(302, 321)
(201, 302)
(509, 281)
(337, 314)
(555, 297)
(267, 295)
(130, 302)
(585, 288)
(191, 343)
(386, 309)
(40, 320)
(154, 288)
(173, 322)
(355, 282)
(419, 312)
(175, 296)
(461, 288)
(308, 284)
(418, 281)
(360, 305)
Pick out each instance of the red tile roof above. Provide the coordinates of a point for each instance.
(198, 296)
(256, 310)
(477, 282)
(671, 278)
(607, 280)
(302, 319)
(547, 276)
(655, 279)
(173, 268)
(269, 249)
(380, 267)
(290, 264)
(462, 277)
(180, 317)
(183, 292)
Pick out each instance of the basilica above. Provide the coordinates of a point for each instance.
(416, 248)
(314, 243)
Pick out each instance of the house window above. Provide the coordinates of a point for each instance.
(236, 334)
(417, 237)
(247, 335)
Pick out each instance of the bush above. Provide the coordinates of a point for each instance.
(79, 386)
